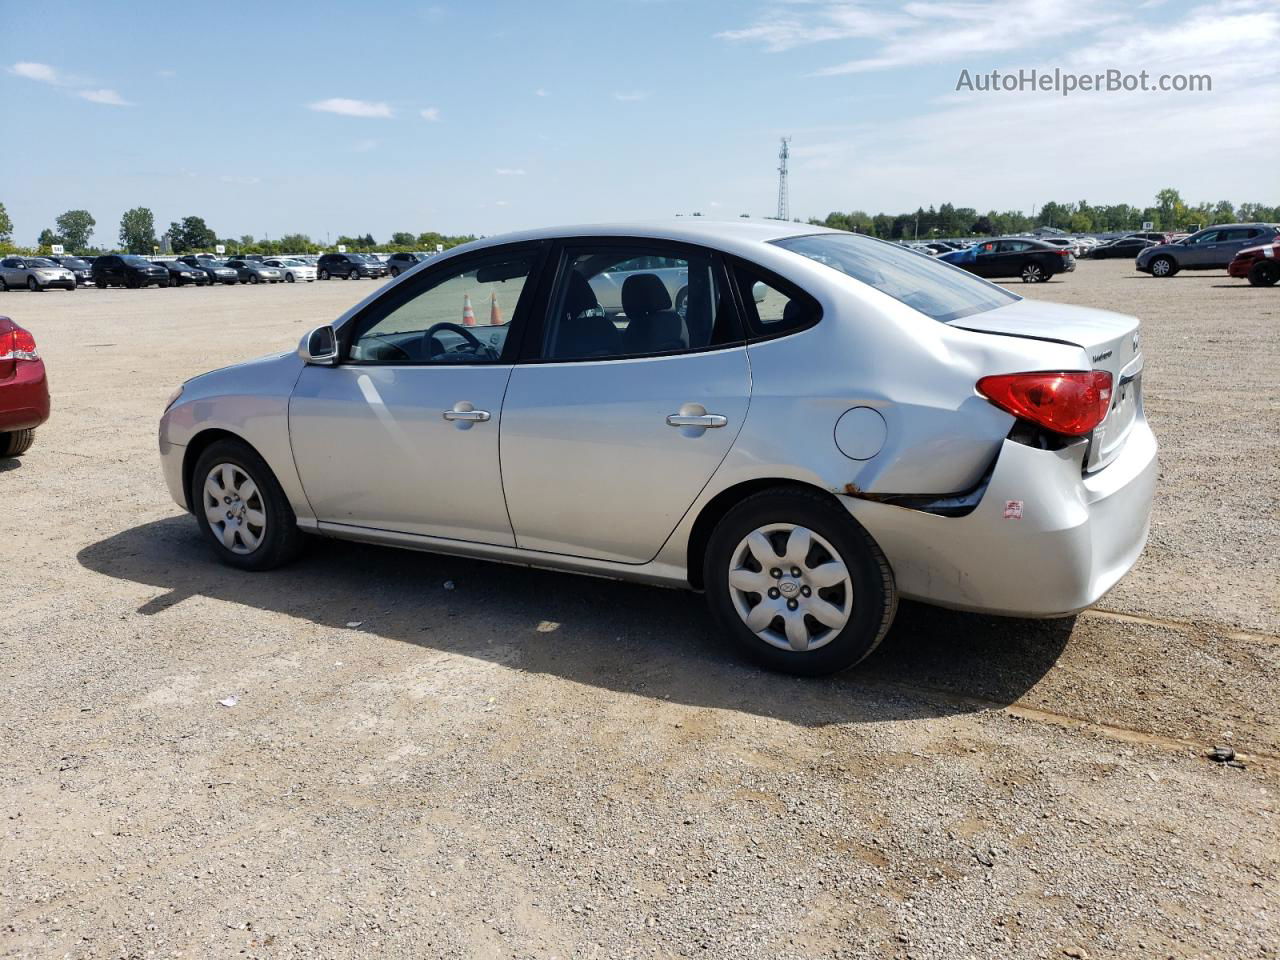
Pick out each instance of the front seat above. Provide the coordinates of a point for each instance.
(583, 330)
(652, 326)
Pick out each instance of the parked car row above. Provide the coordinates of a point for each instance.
(197, 269)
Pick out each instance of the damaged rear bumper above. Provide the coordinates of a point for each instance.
(1045, 540)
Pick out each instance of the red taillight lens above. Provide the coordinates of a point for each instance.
(1072, 402)
(17, 344)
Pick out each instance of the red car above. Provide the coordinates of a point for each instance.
(24, 391)
(1260, 264)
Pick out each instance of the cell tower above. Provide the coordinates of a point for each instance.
(784, 203)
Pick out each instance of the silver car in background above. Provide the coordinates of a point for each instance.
(832, 423)
(34, 273)
(293, 270)
(255, 271)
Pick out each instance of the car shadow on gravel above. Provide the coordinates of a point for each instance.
(620, 636)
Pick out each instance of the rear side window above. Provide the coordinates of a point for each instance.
(934, 288)
(772, 305)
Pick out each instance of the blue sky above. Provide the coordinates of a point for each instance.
(332, 118)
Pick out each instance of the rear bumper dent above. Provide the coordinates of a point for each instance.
(1045, 541)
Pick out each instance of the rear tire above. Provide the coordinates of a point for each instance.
(33, 284)
(1033, 273)
(289, 278)
(1264, 273)
(1163, 267)
(838, 572)
(264, 531)
(16, 442)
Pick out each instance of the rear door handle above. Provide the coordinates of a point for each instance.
(464, 413)
(699, 420)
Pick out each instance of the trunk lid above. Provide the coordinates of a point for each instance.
(1111, 341)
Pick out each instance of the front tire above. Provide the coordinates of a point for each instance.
(33, 284)
(797, 583)
(289, 278)
(323, 275)
(1163, 267)
(16, 442)
(1264, 273)
(240, 507)
(1033, 273)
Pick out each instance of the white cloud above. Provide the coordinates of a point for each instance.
(240, 181)
(509, 172)
(36, 71)
(631, 96)
(784, 29)
(108, 97)
(166, 74)
(502, 203)
(431, 114)
(1233, 44)
(351, 108)
(364, 146)
(541, 92)
(920, 32)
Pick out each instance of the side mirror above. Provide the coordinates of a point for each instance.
(759, 291)
(319, 347)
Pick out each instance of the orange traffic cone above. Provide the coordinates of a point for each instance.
(495, 312)
(468, 315)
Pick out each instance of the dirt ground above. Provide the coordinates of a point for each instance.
(536, 765)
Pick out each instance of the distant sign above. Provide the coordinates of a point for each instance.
(219, 249)
(439, 248)
(342, 248)
(1147, 225)
(56, 248)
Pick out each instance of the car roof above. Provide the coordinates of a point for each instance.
(705, 231)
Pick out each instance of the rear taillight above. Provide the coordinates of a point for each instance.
(18, 344)
(1070, 402)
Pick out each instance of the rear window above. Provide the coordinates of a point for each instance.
(937, 289)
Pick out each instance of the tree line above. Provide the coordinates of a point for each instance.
(74, 231)
(74, 228)
(1169, 213)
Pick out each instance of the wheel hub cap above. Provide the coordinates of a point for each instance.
(790, 587)
(234, 508)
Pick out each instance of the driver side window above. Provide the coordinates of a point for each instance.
(460, 313)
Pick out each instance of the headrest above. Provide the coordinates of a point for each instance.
(643, 294)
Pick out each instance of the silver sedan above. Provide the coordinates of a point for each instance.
(830, 423)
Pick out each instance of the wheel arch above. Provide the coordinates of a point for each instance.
(715, 509)
(201, 442)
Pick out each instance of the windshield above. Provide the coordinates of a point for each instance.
(935, 288)
(216, 264)
(41, 262)
(137, 261)
(75, 263)
(285, 263)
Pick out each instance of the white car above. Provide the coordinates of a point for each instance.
(832, 423)
(294, 270)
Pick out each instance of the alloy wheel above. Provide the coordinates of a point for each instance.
(234, 508)
(1032, 273)
(790, 587)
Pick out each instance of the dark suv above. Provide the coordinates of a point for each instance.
(351, 266)
(127, 270)
(79, 267)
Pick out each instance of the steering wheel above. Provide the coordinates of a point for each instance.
(429, 338)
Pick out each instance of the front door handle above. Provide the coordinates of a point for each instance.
(696, 420)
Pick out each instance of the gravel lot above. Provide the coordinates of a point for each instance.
(535, 765)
